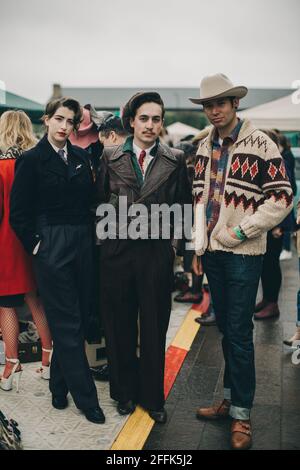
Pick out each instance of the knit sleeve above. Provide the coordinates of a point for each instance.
(278, 195)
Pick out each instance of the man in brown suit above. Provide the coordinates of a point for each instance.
(137, 273)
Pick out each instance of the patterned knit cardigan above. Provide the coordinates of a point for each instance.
(257, 193)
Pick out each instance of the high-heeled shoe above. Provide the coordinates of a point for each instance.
(7, 383)
(45, 370)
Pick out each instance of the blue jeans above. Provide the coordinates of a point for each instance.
(233, 281)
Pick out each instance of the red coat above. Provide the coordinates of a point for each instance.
(16, 273)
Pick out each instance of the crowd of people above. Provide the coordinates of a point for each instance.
(240, 181)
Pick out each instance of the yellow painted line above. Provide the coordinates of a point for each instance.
(138, 426)
(135, 431)
(187, 332)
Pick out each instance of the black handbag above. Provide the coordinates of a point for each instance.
(10, 435)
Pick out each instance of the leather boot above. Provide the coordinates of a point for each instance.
(262, 304)
(219, 411)
(241, 434)
(270, 311)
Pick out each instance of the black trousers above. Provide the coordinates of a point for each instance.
(63, 268)
(136, 278)
(271, 272)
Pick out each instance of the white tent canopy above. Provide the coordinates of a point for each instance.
(178, 130)
(280, 114)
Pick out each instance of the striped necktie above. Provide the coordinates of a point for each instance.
(63, 156)
(142, 159)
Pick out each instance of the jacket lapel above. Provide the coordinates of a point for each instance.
(120, 163)
(50, 159)
(163, 165)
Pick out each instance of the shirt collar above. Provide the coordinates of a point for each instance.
(232, 137)
(131, 147)
(65, 148)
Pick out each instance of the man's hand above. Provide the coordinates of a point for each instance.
(232, 233)
(277, 232)
(197, 265)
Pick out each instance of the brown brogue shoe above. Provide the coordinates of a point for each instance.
(214, 412)
(241, 435)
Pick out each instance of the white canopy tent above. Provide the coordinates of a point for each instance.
(178, 130)
(280, 114)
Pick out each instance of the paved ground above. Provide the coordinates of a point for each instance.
(44, 427)
(276, 413)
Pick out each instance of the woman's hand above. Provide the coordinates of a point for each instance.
(197, 265)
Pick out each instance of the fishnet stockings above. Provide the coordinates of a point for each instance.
(39, 318)
(9, 324)
(10, 331)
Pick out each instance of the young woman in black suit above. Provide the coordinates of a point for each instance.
(50, 213)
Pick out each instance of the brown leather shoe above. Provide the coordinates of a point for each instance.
(214, 412)
(270, 311)
(241, 435)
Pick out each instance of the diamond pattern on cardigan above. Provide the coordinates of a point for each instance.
(254, 170)
(245, 167)
(272, 171)
(235, 165)
(282, 169)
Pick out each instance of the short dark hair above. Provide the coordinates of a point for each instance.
(70, 103)
(135, 102)
(112, 123)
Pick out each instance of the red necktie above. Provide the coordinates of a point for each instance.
(142, 159)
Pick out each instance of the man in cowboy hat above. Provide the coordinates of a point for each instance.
(241, 191)
(137, 274)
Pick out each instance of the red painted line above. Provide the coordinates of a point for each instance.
(174, 360)
(203, 306)
(175, 356)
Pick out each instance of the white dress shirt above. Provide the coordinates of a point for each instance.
(148, 158)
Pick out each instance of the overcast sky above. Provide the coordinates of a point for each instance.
(146, 43)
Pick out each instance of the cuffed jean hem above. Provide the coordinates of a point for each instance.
(227, 394)
(236, 412)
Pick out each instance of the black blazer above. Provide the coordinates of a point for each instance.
(45, 186)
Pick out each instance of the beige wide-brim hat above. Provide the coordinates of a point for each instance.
(218, 86)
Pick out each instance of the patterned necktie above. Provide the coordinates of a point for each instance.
(63, 156)
(142, 159)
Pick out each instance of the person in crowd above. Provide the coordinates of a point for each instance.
(194, 292)
(241, 191)
(16, 273)
(289, 160)
(296, 335)
(50, 213)
(111, 131)
(268, 307)
(87, 137)
(137, 274)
